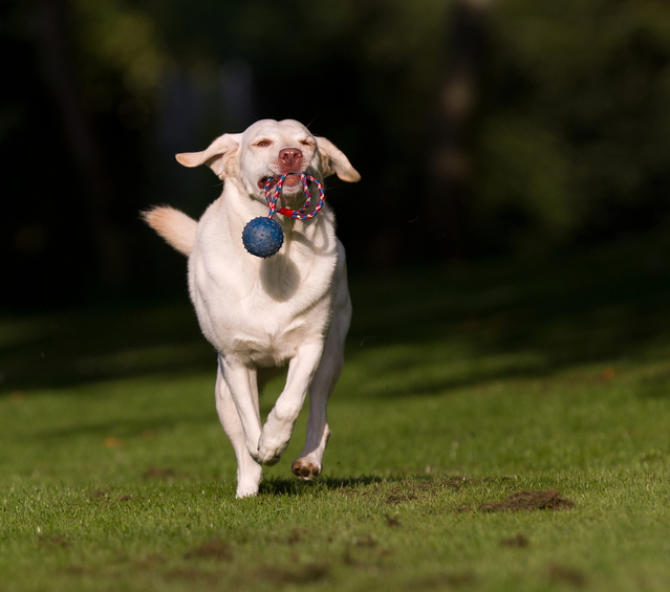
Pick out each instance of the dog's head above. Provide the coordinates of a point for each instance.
(270, 148)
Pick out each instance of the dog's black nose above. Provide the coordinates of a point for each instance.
(290, 160)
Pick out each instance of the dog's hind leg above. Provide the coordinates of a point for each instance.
(308, 464)
(248, 470)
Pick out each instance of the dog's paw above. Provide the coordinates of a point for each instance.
(248, 480)
(246, 490)
(306, 469)
(253, 451)
(269, 455)
(270, 450)
(274, 439)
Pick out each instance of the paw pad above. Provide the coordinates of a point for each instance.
(305, 470)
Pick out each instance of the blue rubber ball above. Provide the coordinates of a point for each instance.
(262, 237)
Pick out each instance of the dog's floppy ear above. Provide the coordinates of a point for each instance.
(334, 162)
(218, 156)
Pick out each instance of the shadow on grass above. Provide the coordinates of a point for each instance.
(297, 487)
(394, 488)
(125, 427)
(527, 319)
(516, 320)
(72, 348)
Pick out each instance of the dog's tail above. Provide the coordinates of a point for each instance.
(174, 226)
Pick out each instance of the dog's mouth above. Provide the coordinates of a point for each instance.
(292, 180)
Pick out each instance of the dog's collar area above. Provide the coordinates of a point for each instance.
(301, 214)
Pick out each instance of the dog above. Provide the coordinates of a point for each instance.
(292, 308)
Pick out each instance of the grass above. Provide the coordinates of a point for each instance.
(463, 386)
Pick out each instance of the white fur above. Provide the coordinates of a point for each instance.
(174, 226)
(292, 308)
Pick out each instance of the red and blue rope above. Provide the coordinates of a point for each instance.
(302, 213)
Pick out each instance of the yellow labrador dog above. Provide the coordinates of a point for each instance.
(292, 308)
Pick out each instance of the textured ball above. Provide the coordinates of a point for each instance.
(262, 237)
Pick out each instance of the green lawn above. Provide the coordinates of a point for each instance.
(463, 386)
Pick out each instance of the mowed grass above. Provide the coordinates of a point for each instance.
(463, 387)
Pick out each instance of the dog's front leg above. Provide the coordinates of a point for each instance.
(279, 425)
(241, 382)
(248, 470)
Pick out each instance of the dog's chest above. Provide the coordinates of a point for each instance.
(262, 313)
(271, 343)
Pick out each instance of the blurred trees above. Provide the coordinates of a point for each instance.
(573, 138)
(479, 127)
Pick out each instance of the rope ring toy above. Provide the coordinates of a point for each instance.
(263, 236)
(300, 214)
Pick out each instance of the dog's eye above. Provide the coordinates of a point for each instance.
(264, 143)
(306, 142)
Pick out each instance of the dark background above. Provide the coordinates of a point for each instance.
(514, 129)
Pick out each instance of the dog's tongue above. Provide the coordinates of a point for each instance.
(292, 180)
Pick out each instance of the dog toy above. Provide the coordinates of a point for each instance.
(263, 236)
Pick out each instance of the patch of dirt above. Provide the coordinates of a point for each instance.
(158, 473)
(391, 521)
(399, 498)
(77, 570)
(349, 559)
(401, 494)
(497, 479)
(550, 499)
(403, 491)
(192, 575)
(446, 580)
(366, 541)
(295, 536)
(518, 540)
(352, 491)
(55, 540)
(104, 497)
(607, 374)
(150, 562)
(212, 549)
(305, 574)
(455, 482)
(425, 488)
(100, 494)
(567, 575)
(364, 552)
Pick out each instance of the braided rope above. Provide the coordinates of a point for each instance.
(302, 213)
